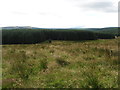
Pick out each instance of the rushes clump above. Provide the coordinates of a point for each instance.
(43, 64)
(92, 81)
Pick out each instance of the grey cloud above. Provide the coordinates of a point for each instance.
(50, 14)
(19, 13)
(44, 13)
(100, 6)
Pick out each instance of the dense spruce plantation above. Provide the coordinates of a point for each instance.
(31, 36)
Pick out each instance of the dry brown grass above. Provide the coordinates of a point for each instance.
(86, 64)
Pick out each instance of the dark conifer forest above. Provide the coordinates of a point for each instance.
(32, 36)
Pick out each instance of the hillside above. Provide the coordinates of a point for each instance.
(107, 30)
(61, 64)
(115, 31)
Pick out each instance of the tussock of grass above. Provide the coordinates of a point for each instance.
(61, 64)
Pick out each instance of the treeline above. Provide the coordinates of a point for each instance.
(36, 36)
(115, 31)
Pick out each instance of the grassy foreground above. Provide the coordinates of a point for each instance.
(61, 64)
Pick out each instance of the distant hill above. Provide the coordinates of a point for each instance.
(28, 27)
(19, 27)
(114, 30)
(108, 30)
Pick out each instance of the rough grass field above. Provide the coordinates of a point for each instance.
(61, 64)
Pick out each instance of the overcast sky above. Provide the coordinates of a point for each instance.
(59, 13)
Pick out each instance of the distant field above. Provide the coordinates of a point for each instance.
(61, 64)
